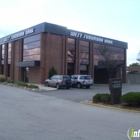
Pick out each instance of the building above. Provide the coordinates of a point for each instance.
(28, 55)
(133, 68)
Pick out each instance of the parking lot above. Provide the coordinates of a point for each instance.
(28, 115)
(77, 95)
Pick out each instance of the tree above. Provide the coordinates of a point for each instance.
(138, 57)
(108, 61)
(135, 64)
(52, 72)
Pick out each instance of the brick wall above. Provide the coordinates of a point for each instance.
(5, 61)
(17, 58)
(55, 52)
(52, 54)
(34, 75)
(133, 68)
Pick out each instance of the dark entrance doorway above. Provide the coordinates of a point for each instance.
(101, 75)
(83, 69)
(26, 74)
(70, 70)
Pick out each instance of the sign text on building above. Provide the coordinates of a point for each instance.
(19, 34)
(90, 37)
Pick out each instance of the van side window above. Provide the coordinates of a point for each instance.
(81, 77)
(76, 77)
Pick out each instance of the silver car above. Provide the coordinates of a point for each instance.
(80, 81)
(59, 81)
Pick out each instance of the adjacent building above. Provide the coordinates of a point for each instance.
(28, 55)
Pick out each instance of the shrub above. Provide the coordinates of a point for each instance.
(52, 72)
(105, 98)
(10, 81)
(23, 84)
(2, 78)
(96, 98)
(101, 97)
(131, 98)
(32, 86)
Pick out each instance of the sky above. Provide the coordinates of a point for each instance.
(116, 19)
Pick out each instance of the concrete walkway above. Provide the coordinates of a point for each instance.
(43, 87)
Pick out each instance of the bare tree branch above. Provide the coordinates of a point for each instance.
(138, 57)
(108, 61)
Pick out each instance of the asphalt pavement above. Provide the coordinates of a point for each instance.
(78, 95)
(26, 115)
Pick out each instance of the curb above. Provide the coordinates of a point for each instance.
(110, 107)
(29, 89)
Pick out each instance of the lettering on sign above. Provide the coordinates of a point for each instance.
(7, 39)
(20, 34)
(29, 31)
(90, 37)
(76, 34)
(116, 84)
(108, 41)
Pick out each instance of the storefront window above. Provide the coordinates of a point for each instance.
(84, 52)
(71, 56)
(9, 53)
(9, 59)
(31, 48)
(2, 54)
(71, 50)
(113, 53)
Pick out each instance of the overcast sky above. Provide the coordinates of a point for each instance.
(116, 19)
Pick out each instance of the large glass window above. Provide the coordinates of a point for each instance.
(71, 50)
(2, 54)
(31, 48)
(9, 53)
(71, 56)
(9, 59)
(84, 52)
(113, 53)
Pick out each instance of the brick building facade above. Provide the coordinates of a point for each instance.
(28, 55)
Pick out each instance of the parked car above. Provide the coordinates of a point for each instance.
(134, 72)
(80, 81)
(59, 81)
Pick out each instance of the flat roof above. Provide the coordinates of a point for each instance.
(64, 31)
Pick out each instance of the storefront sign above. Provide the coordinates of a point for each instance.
(20, 34)
(90, 37)
(115, 83)
(115, 87)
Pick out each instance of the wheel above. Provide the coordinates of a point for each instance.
(57, 86)
(47, 84)
(87, 86)
(68, 87)
(78, 85)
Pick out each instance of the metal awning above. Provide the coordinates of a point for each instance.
(33, 63)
